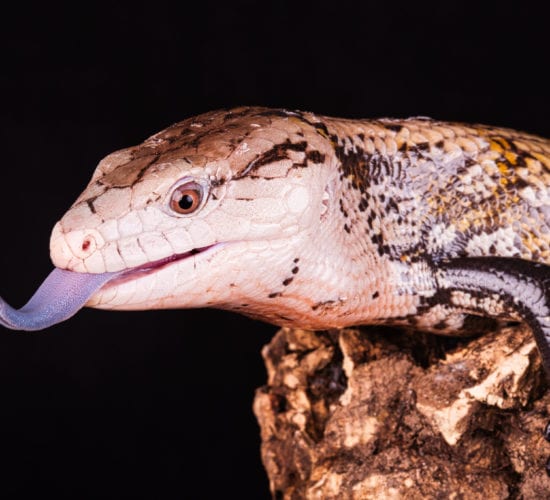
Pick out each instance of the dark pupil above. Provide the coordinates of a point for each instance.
(186, 202)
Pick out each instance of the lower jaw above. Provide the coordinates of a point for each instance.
(154, 285)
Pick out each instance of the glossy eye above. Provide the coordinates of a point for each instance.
(186, 198)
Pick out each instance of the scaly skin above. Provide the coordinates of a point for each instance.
(318, 222)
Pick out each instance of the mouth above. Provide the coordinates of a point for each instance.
(151, 267)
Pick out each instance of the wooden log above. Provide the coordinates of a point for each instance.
(382, 413)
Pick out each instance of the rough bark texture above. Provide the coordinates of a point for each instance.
(379, 413)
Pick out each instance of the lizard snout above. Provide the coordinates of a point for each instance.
(71, 250)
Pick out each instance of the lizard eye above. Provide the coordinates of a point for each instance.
(187, 198)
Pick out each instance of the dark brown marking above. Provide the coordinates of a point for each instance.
(363, 204)
(276, 153)
(274, 294)
(130, 173)
(392, 205)
(321, 128)
(324, 303)
(90, 203)
(520, 160)
(315, 156)
(362, 169)
(501, 141)
(283, 317)
(394, 127)
(342, 209)
(377, 239)
(288, 281)
(153, 199)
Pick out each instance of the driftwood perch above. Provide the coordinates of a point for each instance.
(379, 413)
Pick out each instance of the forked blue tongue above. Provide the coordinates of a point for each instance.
(61, 295)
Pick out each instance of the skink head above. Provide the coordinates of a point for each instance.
(227, 184)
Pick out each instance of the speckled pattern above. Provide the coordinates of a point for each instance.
(320, 222)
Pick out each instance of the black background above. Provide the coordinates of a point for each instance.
(158, 404)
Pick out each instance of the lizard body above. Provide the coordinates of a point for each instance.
(317, 223)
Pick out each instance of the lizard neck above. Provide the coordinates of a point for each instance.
(337, 274)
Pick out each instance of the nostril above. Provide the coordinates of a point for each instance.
(87, 246)
(78, 250)
(84, 243)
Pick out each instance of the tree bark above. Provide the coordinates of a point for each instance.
(381, 413)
